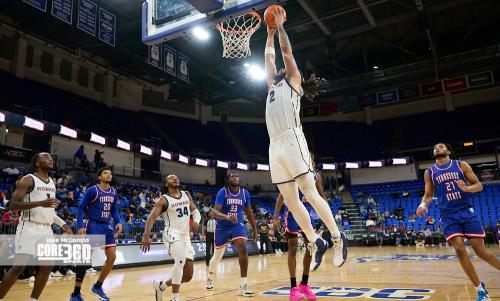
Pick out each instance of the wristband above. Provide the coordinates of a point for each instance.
(270, 50)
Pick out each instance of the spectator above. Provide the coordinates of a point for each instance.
(498, 233)
(428, 236)
(430, 222)
(263, 229)
(11, 170)
(98, 161)
(78, 156)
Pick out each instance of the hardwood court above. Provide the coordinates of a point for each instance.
(371, 268)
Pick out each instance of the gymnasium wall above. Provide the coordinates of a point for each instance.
(65, 148)
(188, 174)
(383, 174)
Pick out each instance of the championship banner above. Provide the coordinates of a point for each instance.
(87, 16)
(327, 108)
(107, 27)
(183, 68)
(387, 96)
(367, 99)
(431, 88)
(154, 55)
(480, 79)
(63, 10)
(40, 4)
(455, 84)
(408, 93)
(310, 111)
(169, 59)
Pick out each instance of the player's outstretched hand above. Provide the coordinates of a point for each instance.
(146, 243)
(271, 31)
(276, 222)
(279, 17)
(421, 210)
(81, 231)
(462, 185)
(48, 203)
(194, 227)
(232, 218)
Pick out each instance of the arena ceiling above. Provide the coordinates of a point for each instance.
(341, 40)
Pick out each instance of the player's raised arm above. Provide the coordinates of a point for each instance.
(292, 71)
(22, 188)
(428, 194)
(471, 177)
(270, 56)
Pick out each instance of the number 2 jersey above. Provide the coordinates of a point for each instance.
(232, 204)
(450, 197)
(177, 215)
(98, 205)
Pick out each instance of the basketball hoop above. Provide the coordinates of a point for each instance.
(236, 34)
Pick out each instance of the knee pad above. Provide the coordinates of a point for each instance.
(178, 269)
(80, 272)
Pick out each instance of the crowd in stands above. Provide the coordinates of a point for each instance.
(388, 210)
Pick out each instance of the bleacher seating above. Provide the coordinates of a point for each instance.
(389, 196)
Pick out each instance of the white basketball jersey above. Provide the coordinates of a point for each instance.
(41, 191)
(282, 109)
(177, 214)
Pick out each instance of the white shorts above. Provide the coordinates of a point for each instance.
(170, 238)
(289, 156)
(29, 234)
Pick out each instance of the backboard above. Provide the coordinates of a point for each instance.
(164, 20)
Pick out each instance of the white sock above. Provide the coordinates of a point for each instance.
(308, 187)
(243, 282)
(163, 285)
(33, 299)
(216, 258)
(479, 288)
(175, 296)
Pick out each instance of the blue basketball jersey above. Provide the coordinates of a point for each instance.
(232, 204)
(98, 205)
(449, 196)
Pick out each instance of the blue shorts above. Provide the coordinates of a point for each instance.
(463, 223)
(103, 229)
(291, 225)
(223, 236)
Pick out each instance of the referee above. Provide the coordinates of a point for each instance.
(209, 238)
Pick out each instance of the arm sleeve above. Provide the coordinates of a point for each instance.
(84, 204)
(114, 211)
(58, 221)
(219, 199)
(247, 198)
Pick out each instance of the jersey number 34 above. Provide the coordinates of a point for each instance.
(181, 212)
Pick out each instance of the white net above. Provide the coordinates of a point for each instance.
(236, 34)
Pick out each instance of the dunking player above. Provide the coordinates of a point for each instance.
(99, 205)
(228, 210)
(453, 181)
(292, 230)
(289, 160)
(176, 207)
(35, 197)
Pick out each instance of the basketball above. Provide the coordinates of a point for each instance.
(269, 15)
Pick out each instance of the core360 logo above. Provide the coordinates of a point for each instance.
(361, 292)
(65, 250)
